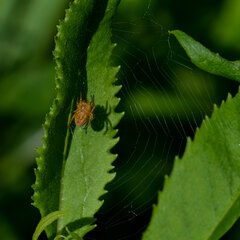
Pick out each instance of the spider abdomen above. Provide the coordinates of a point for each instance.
(82, 114)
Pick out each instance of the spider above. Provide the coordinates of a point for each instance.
(83, 113)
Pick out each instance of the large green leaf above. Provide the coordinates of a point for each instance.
(75, 181)
(88, 164)
(201, 199)
(207, 60)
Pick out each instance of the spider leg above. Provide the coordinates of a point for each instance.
(71, 120)
(89, 120)
(93, 109)
(77, 102)
(92, 101)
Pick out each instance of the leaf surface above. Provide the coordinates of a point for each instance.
(71, 175)
(201, 199)
(207, 60)
(89, 159)
(45, 221)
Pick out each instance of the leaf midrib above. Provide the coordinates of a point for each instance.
(85, 181)
(62, 173)
(223, 216)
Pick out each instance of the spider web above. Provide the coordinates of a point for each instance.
(165, 99)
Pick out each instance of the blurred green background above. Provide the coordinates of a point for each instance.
(164, 96)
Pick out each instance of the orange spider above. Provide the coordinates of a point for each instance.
(83, 113)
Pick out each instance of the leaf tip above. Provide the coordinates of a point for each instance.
(174, 32)
(189, 141)
(122, 114)
(229, 96)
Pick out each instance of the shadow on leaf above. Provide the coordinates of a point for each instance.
(73, 226)
(101, 119)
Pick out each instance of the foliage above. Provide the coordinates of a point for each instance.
(72, 173)
(45, 221)
(207, 60)
(201, 199)
(164, 98)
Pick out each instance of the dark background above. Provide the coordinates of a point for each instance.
(164, 96)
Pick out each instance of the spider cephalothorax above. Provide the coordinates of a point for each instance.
(83, 112)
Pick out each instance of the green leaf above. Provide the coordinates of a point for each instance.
(87, 165)
(72, 173)
(201, 199)
(73, 235)
(45, 221)
(207, 60)
(59, 237)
